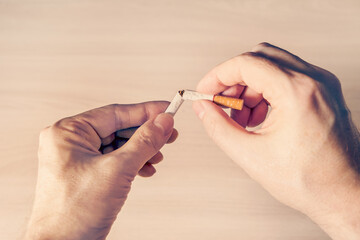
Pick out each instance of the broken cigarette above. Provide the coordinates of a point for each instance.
(183, 95)
(234, 103)
(171, 109)
(175, 104)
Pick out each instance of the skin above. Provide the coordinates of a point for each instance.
(306, 153)
(80, 190)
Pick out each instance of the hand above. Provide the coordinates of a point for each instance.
(81, 190)
(306, 153)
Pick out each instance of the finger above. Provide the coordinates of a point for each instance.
(126, 133)
(107, 149)
(224, 131)
(173, 136)
(145, 143)
(251, 98)
(233, 91)
(250, 69)
(107, 140)
(111, 118)
(147, 170)
(101, 122)
(258, 114)
(241, 117)
(119, 142)
(156, 158)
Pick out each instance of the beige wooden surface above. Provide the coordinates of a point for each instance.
(61, 57)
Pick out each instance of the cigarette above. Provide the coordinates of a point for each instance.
(171, 109)
(175, 104)
(234, 103)
(183, 95)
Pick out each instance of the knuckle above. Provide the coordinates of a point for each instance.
(304, 86)
(117, 109)
(44, 132)
(67, 129)
(307, 84)
(308, 91)
(115, 106)
(326, 79)
(254, 60)
(146, 139)
(246, 58)
(69, 125)
(261, 46)
(329, 79)
(252, 57)
(248, 55)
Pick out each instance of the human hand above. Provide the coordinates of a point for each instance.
(306, 153)
(81, 190)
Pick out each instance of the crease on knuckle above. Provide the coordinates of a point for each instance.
(117, 112)
(71, 129)
(148, 141)
(307, 84)
(75, 126)
(146, 110)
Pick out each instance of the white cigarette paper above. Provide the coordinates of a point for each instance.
(192, 95)
(175, 104)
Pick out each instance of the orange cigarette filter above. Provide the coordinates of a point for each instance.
(230, 102)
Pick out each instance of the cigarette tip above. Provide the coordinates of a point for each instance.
(181, 92)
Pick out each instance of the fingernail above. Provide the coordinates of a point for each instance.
(199, 109)
(165, 122)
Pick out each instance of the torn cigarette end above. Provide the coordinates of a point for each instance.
(175, 104)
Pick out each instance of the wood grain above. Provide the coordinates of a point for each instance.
(59, 58)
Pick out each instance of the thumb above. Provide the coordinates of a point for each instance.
(145, 143)
(233, 139)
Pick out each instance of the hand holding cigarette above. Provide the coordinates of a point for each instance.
(307, 153)
(80, 190)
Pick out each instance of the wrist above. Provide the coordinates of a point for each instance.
(61, 226)
(336, 206)
(52, 227)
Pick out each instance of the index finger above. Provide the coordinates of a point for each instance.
(250, 69)
(109, 119)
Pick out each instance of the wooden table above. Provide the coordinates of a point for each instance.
(59, 58)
